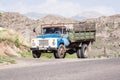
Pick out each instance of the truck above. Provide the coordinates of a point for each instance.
(63, 38)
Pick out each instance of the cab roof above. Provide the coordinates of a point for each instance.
(53, 26)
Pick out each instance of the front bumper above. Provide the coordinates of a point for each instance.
(44, 49)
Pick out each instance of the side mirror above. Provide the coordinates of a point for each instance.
(68, 30)
(34, 30)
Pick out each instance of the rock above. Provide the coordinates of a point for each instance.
(1, 28)
(11, 52)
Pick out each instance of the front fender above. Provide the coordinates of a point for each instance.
(63, 41)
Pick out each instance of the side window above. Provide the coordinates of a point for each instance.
(64, 31)
(44, 31)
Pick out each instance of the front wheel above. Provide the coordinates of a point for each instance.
(36, 54)
(61, 52)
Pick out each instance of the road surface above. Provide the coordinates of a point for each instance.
(67, 69)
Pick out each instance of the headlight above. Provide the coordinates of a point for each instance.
(33, 44)
(53, 42)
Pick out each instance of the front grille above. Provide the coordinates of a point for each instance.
(43, 42)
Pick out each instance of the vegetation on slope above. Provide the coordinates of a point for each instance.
(6, 60)
(0, 14)
(12, 43)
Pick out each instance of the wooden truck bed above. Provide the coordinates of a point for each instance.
(82, 32)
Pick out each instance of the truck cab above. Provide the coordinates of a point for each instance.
(54, 38)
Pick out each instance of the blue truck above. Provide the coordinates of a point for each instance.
(60, 39)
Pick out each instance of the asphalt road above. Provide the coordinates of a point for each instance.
(103, 69)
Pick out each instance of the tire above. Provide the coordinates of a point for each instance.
(78, 53)
(36, 54)
(61, 52)
(84, 53)
(55, 54)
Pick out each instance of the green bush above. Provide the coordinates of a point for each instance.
(17, 41)
(26, 54)
(47, 55)
(0, 14)
(71, 55)
(117, 55)
(5, 59)
(8, 40)
(51, 55)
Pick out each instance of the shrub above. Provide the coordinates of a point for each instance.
(17, 41)
(26, 54)
(47, 55)
(0, 14)
(5, 59)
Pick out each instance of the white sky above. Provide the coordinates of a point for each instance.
(65, 8)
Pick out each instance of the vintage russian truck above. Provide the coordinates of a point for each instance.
(63, 38)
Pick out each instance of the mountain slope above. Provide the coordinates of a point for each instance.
(24, 25)
(11, 43)
(33, 15)
(56, 19)
(108, 35)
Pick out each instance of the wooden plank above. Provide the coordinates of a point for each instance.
(82, 35)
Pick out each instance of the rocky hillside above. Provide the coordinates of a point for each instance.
(108, 34)
(25, 26)
(11, 43)
(15, 21)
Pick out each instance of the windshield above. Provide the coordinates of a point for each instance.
(53, 30)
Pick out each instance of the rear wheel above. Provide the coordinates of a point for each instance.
(61, 52)
(36, 54)
(84, 51)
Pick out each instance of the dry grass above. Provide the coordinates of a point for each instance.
(12, 43)
(7, 60)
(12, 36)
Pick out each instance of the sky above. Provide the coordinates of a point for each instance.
(67, 8)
